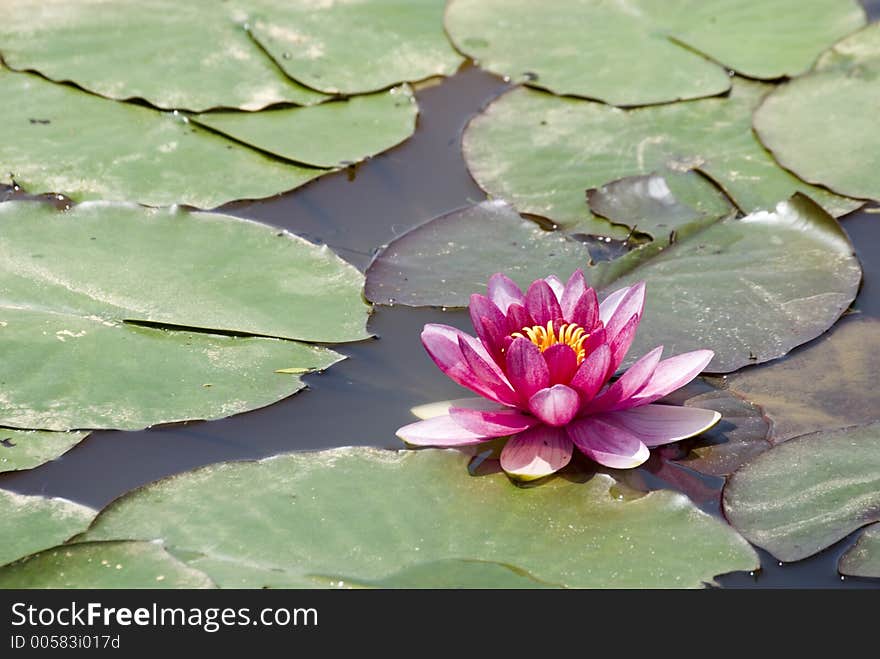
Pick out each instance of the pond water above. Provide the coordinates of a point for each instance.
(363, 400)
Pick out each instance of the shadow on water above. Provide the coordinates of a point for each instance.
(363, 400)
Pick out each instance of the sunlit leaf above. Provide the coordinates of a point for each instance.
(26, 449)
(863, 558)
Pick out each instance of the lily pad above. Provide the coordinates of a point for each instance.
(540, 152)
(750, 289)
(371, 515)
(831, 383)
(823, 126)
(192, 55)
(102, 565)
(73, 279)
(863, 558)
(332, 134)
(354, 47)
(26, 449)
(446, 259)
(642, 52)
(33, 523)
(806, 494)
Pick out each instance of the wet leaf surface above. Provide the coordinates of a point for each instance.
(641, 52)
(26, 449)
(863, 558)
(361, 513)
(823, 126)
(102, 565)
(540, 152)
(804, 495)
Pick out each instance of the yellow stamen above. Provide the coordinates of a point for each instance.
(570, 334)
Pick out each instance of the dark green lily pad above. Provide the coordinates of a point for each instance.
(32, 523)
(540, 152)
(26, 449)
(823, 126)
(806, 494)
(192, 55)
(641, 52)
(863, 558)
(371, 516)
(102, 565)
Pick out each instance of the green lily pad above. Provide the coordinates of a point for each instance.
(445, 260)
(191, 55)
(32, 523)
(452, 573)
(828, 384)
(863, 558)
(823, 126)
(26, 449)
(750, 289)
(370, 515)
(71, 280)
(354, 47)
(539, 152)
(642, 52)
(806, 494)
(102, 565)
(332, 134)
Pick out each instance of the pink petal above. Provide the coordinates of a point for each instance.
(584, 311)
(487, 372)
(631, 304)
(439, 431)
(442, 344)
(607, 444)
(562, 363)
(535, 453)
(672, 374)
(518, 318)
(489, 323)
(492, 423)
(541, 303)
(621, 343)
(556, 405)
(503, 291)
(574, 288)
(594, 340)
(609, 304)
(629, 384)
(661, 424)
(591, 374)
(526, 369)
(556, 286)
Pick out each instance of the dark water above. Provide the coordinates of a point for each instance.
(363, 400)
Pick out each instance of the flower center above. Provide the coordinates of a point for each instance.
(570, 334)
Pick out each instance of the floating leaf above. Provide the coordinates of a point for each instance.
(641, 52)
(863, 558)
(453, 573)
(750, 289)
(26, 449)
(445, 260)
(823, 126)
(354, 47)
(190, 55)
(71, 279)
(540, 152)
(102, 565)
(829, 384)
(369, 515)
(33, 523)
(808, 493)
(328, 135)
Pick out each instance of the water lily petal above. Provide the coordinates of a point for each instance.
(441, 343)
(556, 405)
(489, 323)
(439, 431)
(556, 286)
(661, 424)
(562, 363)
(535, 453)
(631, 304)
(584, 311)
(492, 423)
(541, 303)
(487, 372)
(607, 444)
(526, 369)
(574, 288)
(609, 305)
(672, 374)
(592, 372)
(621, 343)
(596, 338)
(503, 291)
(518, 318)
(630, 383)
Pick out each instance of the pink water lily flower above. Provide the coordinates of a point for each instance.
(543, 365)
